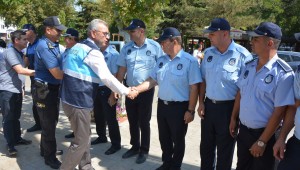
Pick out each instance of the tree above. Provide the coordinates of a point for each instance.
(35, 11)
(147, 10)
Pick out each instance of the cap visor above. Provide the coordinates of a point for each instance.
(130, 27)
(297, 36)
(65, 35)
(253, 34)
(208, 31)
(61, 27)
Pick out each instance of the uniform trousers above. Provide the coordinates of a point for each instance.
(79, 150)
(172, 130)
(245, 139)
(106, 114)
(11, 106)
(139, 114)
(291, 158)
(215, 135)
(48, 110)
(34, 109)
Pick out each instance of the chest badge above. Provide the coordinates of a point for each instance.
(179, 66)
(160, 65)
(148, 53)
(209, 59)
(269, 79)
(232, 61)
(246, 74)
(129, 52)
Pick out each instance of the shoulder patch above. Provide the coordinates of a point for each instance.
(284, 65)
(250, 61)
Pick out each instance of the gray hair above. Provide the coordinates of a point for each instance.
(276, 42)
(93, 25)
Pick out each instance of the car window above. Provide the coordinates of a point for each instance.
(285, 57)
(295, 58)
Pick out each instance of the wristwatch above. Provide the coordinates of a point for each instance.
(191, 111)
(261, 143)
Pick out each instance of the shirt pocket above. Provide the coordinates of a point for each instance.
(266, 88)
(230, 72)
(177, 76)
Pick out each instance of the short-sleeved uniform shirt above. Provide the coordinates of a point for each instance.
(47, 56)
(139, 61)
(175, 76)
(221, 71)
(297, 96)
(10, 80)
(111, 56)
(263, 90)
(30, 51)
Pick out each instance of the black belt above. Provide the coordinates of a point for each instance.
(53, 86)
(259, 130)
(219, 101)
(172, 102)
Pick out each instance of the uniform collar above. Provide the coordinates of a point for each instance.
(90, 40)
(231, 47)
(107, 50)
(178, 55)
(50, 43)
(34, 42)
(271, 62)
(145, 43)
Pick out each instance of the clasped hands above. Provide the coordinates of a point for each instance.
(133, 93)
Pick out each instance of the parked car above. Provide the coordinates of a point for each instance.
(292, 58)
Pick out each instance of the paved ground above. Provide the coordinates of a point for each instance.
(29, 159)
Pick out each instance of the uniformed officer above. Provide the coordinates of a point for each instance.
(265, 92)
(289, 153)
(220, 70)
(105, 105)
(83, 68)
(178, 75)
(32, 38)
(137, 60)
(47, 82)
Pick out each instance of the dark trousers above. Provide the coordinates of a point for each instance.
(172, 131)
(291, 156)
(245, 139)
(34, 109)
(139, 114)
(215, 135)
(48, 110)
(11, 106)
(105, 114)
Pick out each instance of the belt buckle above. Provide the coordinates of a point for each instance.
(214, 101)
(166, 102)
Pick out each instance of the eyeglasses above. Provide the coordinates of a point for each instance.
(106, 34)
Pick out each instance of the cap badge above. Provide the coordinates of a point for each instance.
(58, 21)
(269, 79)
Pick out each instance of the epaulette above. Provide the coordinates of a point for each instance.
(284, 65)
(250, 61)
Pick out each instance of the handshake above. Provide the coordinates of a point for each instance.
(133, 93)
